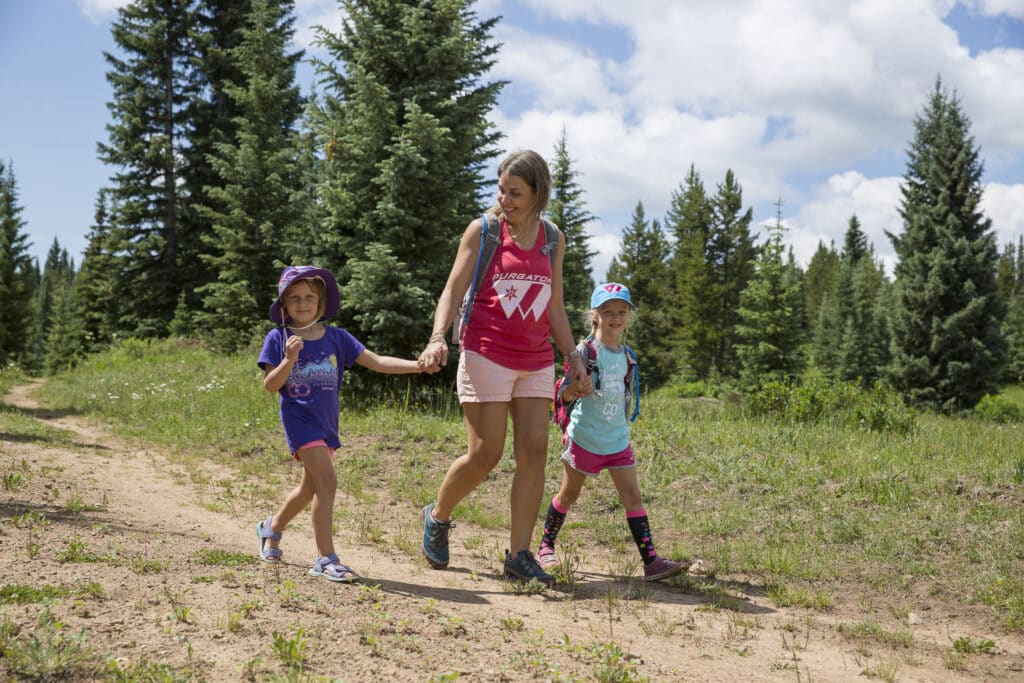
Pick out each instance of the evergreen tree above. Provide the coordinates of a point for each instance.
(864, 347)
(827, 336)
(642, 265)
(258, 182)
(54, 289)
(948, 350)
(17, 275)
(97, 296)
(770, 332)
(821, 281)
(568, 211)
(154, 90)
(64, 342)
(407, 134)
(216, 34)
(732, 254)
(697, 316)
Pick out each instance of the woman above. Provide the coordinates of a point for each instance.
(506, 365)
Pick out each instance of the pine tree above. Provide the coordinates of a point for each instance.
(697, 314)
(948, 350)
(407, 136)
(154, 89)
(258, 182)
(821, 289)
(53, 292)
(827, 336)
(732, 254)
(17, 275)
(568, 211)
(770, 332)
(642, 265)
(97, 295)
(864, 350)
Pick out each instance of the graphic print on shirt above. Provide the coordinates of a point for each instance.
(611, 398)
(528, 294)
(320, 375)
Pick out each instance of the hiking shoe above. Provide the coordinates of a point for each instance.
(524, 567)
(662, 568)
(546, 557)
(435, 539)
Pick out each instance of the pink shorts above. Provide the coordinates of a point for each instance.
(582, 460)
(483, 381)
(313, 444)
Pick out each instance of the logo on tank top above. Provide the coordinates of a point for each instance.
(527, 295)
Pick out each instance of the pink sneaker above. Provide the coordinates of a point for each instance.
(663, 568)
(546, 557)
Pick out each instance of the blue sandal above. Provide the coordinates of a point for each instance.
(263, 532)
(331, 568)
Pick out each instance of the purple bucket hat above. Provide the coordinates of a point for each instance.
(293, 274)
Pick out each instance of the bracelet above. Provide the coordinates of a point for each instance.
(436, 337)
(574, 354)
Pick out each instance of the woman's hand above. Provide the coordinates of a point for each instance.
(581, 385)
(435, 355)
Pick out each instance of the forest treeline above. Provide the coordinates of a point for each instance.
(223, 170)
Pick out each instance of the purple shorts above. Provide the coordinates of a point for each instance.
(582, 460)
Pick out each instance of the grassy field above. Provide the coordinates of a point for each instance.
(808, 501)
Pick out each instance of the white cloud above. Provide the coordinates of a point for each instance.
(99, 10)
(825, 217)
(1004, 204)
(1011, 8)
(310, 13)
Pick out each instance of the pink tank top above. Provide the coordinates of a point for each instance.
(510, 324)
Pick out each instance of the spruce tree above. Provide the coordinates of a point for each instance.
(51, 296)
(404, 118)
(17, 275)
(864, 349)
(642, 265)
(732, 253)
(257, 195)
(568, 211)
(948, 350)
(155, 88)
(820, 288)
(770, 331)
(98, 296)
(697, 312)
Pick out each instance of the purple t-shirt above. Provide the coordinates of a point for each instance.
(309, 398)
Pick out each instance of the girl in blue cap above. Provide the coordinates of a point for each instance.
(597, 435)
(304, 361)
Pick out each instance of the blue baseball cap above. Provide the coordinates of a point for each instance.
(293, 274)
(609, 291)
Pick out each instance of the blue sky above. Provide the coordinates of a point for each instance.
(806, 101)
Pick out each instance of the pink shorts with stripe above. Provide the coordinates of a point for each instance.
(319, 443)
(582, 460)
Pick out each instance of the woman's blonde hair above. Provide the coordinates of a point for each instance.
(318, 286)
(532, 168)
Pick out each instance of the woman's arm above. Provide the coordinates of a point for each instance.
(459, 278)
(561, 330)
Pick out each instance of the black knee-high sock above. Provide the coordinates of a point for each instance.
(553, 523)
(641, 530)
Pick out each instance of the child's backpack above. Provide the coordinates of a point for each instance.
(563, 409)
(490, 239)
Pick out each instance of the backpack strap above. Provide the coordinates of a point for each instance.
(490, 239)
(633, 382)
(551, 233)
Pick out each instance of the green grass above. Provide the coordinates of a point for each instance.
(807, 506)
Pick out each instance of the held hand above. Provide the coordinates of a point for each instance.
(434, 356)
(581, 385)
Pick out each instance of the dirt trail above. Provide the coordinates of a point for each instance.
(145, 532)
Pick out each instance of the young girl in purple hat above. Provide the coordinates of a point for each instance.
(304, 361)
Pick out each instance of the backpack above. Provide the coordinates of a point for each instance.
(490, 240)
(563, 409)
